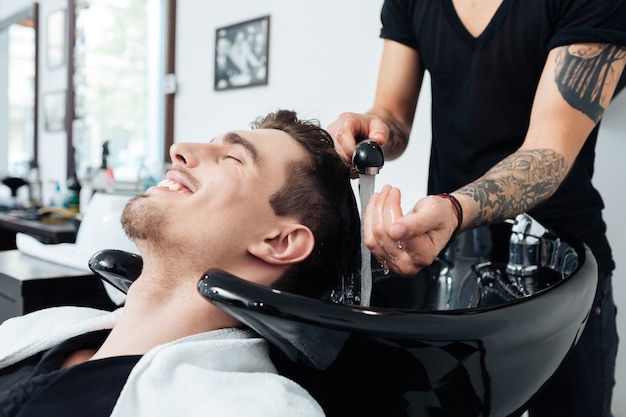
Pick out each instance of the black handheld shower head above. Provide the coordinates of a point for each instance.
(368, 157)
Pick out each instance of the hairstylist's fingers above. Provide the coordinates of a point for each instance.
(344, 132)
(383, 211)
(422, 234)
(378, 131)
(351, 128)
(392, 211)
(428, 216)
(373, 224)
(395, 248)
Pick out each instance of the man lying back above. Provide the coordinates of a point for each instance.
(272, 205)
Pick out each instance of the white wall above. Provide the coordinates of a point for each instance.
(52, 145)
(610, 171)
(323, 60)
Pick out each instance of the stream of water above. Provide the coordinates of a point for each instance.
(366, 189)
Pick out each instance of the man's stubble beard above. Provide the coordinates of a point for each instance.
(141, 221)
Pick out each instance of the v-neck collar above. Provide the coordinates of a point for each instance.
(463, 33)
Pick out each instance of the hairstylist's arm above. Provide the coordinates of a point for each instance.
(563, 115)
(569, 102)
(390, 119)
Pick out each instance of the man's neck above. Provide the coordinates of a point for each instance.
(156, 313)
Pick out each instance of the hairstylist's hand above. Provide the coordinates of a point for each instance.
(351, 128)
(407, 243)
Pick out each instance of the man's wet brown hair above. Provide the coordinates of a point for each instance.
(318, 193)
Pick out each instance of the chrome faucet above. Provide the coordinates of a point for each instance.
(537, 258)
(533, 247)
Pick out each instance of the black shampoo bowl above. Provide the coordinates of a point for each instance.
(432, 359)
(481, 346)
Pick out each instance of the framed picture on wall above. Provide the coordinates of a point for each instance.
(54, 110)
(55, 39)
(242, 54)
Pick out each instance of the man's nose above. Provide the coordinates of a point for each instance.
(185, 154)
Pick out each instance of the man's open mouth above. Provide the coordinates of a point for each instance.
(174, 186)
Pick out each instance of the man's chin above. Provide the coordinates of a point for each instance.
(140, 219)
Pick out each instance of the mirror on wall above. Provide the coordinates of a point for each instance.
(18, 92)
(117, 82)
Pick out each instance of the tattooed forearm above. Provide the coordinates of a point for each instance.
(583, 72)
(398, 139)
(516, 184)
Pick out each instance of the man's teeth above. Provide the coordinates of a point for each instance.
(172, 186)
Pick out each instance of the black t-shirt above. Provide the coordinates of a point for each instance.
(483, 89)
(36, 387)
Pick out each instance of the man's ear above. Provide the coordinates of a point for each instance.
(290, 245)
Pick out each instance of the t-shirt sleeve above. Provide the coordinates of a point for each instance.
(396, 22)
(581, 21)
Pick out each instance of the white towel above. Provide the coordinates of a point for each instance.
(24, 336)
(67, 254)
(224, 373)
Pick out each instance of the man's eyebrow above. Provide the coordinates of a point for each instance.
(236, 139)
